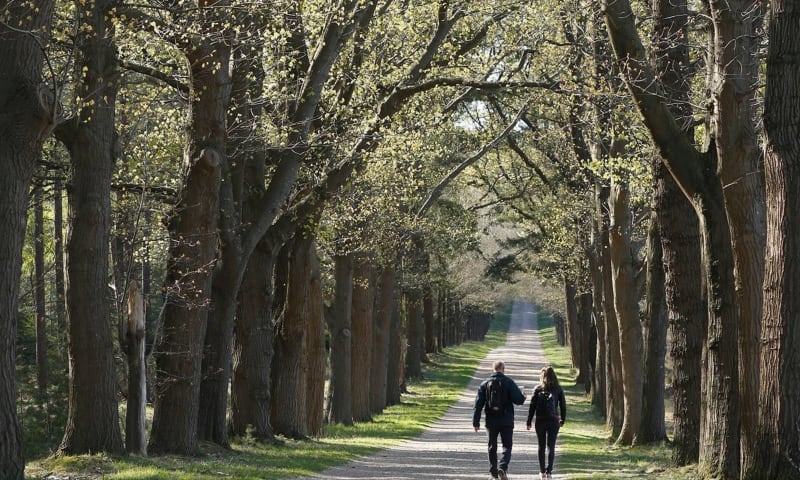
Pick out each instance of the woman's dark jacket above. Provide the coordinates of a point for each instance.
(536, 400)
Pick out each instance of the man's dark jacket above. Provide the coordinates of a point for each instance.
(513, 397)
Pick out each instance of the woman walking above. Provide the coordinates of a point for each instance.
(549, 407)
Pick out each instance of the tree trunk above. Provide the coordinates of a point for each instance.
(584, 302)
(573, 335)
(615, 412)
(93, 418)
(315, 391)
(653, 428)
(58, 254)
(680, 240)
(290, 365)
(394, 373)
(253, 350)
(340, 405)
(431, 343)
(778, 439)
(415, 333)
(135, 417)
(380, 339)
(599, 369)
(39, 294)
(26, 120)
(190, 263)
(363, 301)
(627, 309)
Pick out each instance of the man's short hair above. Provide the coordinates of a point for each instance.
(498, 365)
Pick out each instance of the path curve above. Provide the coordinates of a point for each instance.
(450, 448)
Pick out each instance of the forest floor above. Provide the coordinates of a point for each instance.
(450, 448)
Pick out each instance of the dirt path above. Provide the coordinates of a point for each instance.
(450, 448)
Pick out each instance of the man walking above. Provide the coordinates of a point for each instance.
(497, 396)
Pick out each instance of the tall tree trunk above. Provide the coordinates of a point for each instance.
(778, 439)
(415, 333)
(429, 318)
(735, 81)
(315, 391)
(362, 314)
(290, 365)
(253, 349)
(135, 417)
(380, 339)
(627, 309)
(93, 419)
(615, 412)
(58, 254)
(40, 293)
(394, 372)
(599, 370)
(584, 302)
(653, 428)
(340, 406)
(573, 334)
(190, 263)
(680, 241)
(27, 119)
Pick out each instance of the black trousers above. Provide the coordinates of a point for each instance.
(506, 435)
(546, 432)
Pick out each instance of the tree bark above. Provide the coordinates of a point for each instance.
(93, 418)
(26, 120)
(573, 334)
(653, 428)
(40, 293)
(778, 439)
(380, 339)
(680, 239)
(363, 301)
(394, 373)
(253, 350)
(415, 333)
(627, 309)
(190, 263)
(429, 318)
(135, 417)
(599, 368)
(340, 405)
(584, 302)
(290, 365)
(315, 392)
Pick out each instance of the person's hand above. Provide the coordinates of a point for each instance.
(528, 425)
(476, 427)
(561, 423)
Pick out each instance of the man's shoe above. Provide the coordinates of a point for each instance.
(501, 474)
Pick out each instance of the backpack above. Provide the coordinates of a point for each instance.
(546, 405)
(495, 397)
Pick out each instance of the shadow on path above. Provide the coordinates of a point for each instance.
(450, 448)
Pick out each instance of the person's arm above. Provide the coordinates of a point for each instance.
(531, 410)
(517, 396)
(480, 400)
(562, 404)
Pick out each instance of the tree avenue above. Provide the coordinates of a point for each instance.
(284, 208)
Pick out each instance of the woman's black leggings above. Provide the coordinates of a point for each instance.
(546, 432)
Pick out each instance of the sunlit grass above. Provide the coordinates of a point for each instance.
(444, 379)
(585, 448)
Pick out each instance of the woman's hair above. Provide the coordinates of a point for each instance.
(549, 380)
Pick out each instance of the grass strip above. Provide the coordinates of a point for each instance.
(444, 379)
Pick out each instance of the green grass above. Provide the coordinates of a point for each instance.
(585, 448)
(444, 379)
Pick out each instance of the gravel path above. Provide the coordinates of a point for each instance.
(450, 448)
